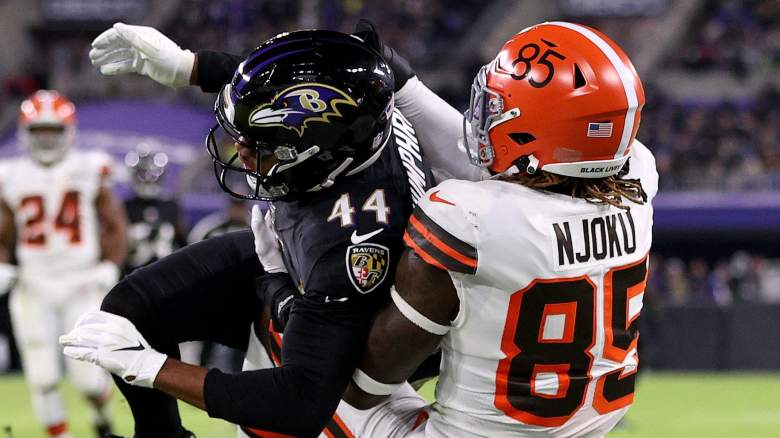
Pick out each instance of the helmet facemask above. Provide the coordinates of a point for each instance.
(486, 110)
(254, 183)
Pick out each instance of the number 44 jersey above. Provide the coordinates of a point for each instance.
(57, 227)
(550, 287)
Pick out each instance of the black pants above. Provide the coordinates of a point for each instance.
(204, 292)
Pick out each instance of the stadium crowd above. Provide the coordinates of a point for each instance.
(741, 278)
(419, 30)
(737, 36)
(728, 146)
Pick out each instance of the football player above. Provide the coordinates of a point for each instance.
(155, 222)
(312, 117)
(530, 282)
(68, 230)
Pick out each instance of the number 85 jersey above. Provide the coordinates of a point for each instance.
(550, 288)
(57, 230)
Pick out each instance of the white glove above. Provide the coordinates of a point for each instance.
(112, 342)
(105, 275)
(266, 245)
(143, 50)
(7, 278)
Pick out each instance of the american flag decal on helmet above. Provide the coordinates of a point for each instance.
(600, 129)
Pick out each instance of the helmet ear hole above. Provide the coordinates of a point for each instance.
(522, 138)
(579, 78)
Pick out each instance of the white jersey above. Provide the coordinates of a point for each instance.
(550, 289)
(57, 224)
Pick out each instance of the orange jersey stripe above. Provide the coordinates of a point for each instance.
(259, 433)
(340, 423)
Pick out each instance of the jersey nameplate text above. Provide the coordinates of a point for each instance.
(581, 241)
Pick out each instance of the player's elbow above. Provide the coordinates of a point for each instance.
(301, 405)
(123, 300)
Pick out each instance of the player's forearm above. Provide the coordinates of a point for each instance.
(322, 344)
(7, 231)
(183, 381)
(439, 127)
(113, 222)
(212, 70)
(6, 242)
(114, 246)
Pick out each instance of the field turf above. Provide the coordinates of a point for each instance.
(668, 405)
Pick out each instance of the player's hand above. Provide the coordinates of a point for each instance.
(144, 50)
(266, 245)
(106, 275)
(112, 342)
(7, 277)
(402, 71)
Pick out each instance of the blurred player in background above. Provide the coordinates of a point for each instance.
(155, 226)
(234, 217)
(69, 232)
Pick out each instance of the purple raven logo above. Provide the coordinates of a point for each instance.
(295, 107)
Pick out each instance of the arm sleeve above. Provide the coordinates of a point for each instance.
(215, 69)
(439, 127)
(279, 292)
(322, 344)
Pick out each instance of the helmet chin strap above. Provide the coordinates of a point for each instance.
(331, 178)
(303, 156)
(527, 163)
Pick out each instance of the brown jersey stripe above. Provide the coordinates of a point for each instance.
(433, 255)
(443, 235)
(438, 243)
(421, 252)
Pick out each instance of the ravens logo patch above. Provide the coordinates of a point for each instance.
(367, 265)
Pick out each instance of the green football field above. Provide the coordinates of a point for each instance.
(667, 405)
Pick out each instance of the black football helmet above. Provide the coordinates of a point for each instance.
(319, 101)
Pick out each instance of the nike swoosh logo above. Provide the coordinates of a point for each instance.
(357, 239)
(435, 198)
(138, 347)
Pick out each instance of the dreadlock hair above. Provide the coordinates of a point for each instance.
(610, 190)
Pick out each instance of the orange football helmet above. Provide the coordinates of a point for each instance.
(47, 125)
(560, 97)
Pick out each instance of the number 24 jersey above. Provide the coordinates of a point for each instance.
(57, 226)
(550, 288)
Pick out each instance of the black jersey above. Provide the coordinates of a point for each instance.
(341, 248)
(153, 230)
(344, 242)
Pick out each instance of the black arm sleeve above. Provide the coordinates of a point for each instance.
(278, 292)
(215, 69)
(322, 344)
